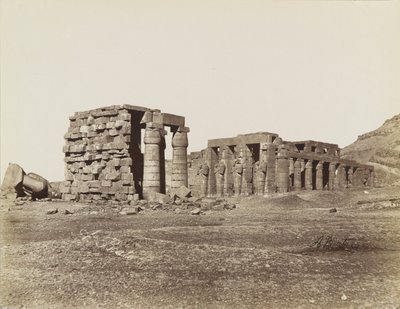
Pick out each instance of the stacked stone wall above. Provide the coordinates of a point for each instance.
(97, 156)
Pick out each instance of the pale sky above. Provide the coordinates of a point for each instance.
(322, 70)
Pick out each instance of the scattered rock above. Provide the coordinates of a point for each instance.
(67, 212)
(229, 206)
(333, 210)
(156, 206)
(159, 198)
(196, 211)
(129, 211)
(344, 297)
(52, 211)
(19, 202)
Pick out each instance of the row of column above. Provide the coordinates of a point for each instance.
(275, 171)
(153, 159)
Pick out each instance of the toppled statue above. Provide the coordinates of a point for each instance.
(17, 183)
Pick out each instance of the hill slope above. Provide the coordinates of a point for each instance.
(380, 148)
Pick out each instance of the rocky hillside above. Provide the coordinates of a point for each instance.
(380, 148)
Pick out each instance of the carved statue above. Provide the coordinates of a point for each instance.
(219, 169)
(203, 172)
(237, 171)
(261, 172)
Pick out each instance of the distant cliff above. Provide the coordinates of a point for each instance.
(380, 148)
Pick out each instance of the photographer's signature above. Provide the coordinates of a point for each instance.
(329, 242)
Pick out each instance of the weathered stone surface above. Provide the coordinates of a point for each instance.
(13, 177)
(158, 197)
(182, 192)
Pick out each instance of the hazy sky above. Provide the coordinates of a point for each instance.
(322, 70)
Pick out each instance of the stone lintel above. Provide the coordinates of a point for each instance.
(173, 120)
(183, 129)
(243, 139)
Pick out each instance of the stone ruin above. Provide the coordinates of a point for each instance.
(105, 160)
(104, 156)
(262, 163)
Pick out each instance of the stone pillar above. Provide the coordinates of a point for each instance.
(332, 170)
(212, 159)
(291, 174)
(297, 175)
(308, 178)
(282, 170)
(270, 177)
(350, 177)
(319, 176)
(151, 164)
(179, 175)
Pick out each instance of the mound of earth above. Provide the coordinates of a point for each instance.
(292, 201)
(381, 148)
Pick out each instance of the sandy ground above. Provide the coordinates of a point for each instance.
(287, 251)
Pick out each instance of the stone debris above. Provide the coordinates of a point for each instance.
(182, 193)
(344, 297)
(159, 198)
(129, 211)
(332, 210)
(68, 212)
(196, 211)
(52, 211)
(17, 183)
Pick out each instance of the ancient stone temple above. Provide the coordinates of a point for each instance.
(262, 163)
(116, 152)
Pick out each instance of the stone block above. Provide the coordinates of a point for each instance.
(106, 183)
(158, 197)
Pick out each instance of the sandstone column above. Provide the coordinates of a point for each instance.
(291, 174)
(332, 169)
(297, 175)
(319, 176)
(308, 174)
(283, 170)
(151, 164)
(270, 177)
(179, 176)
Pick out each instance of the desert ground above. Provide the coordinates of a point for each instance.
(285, 251)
